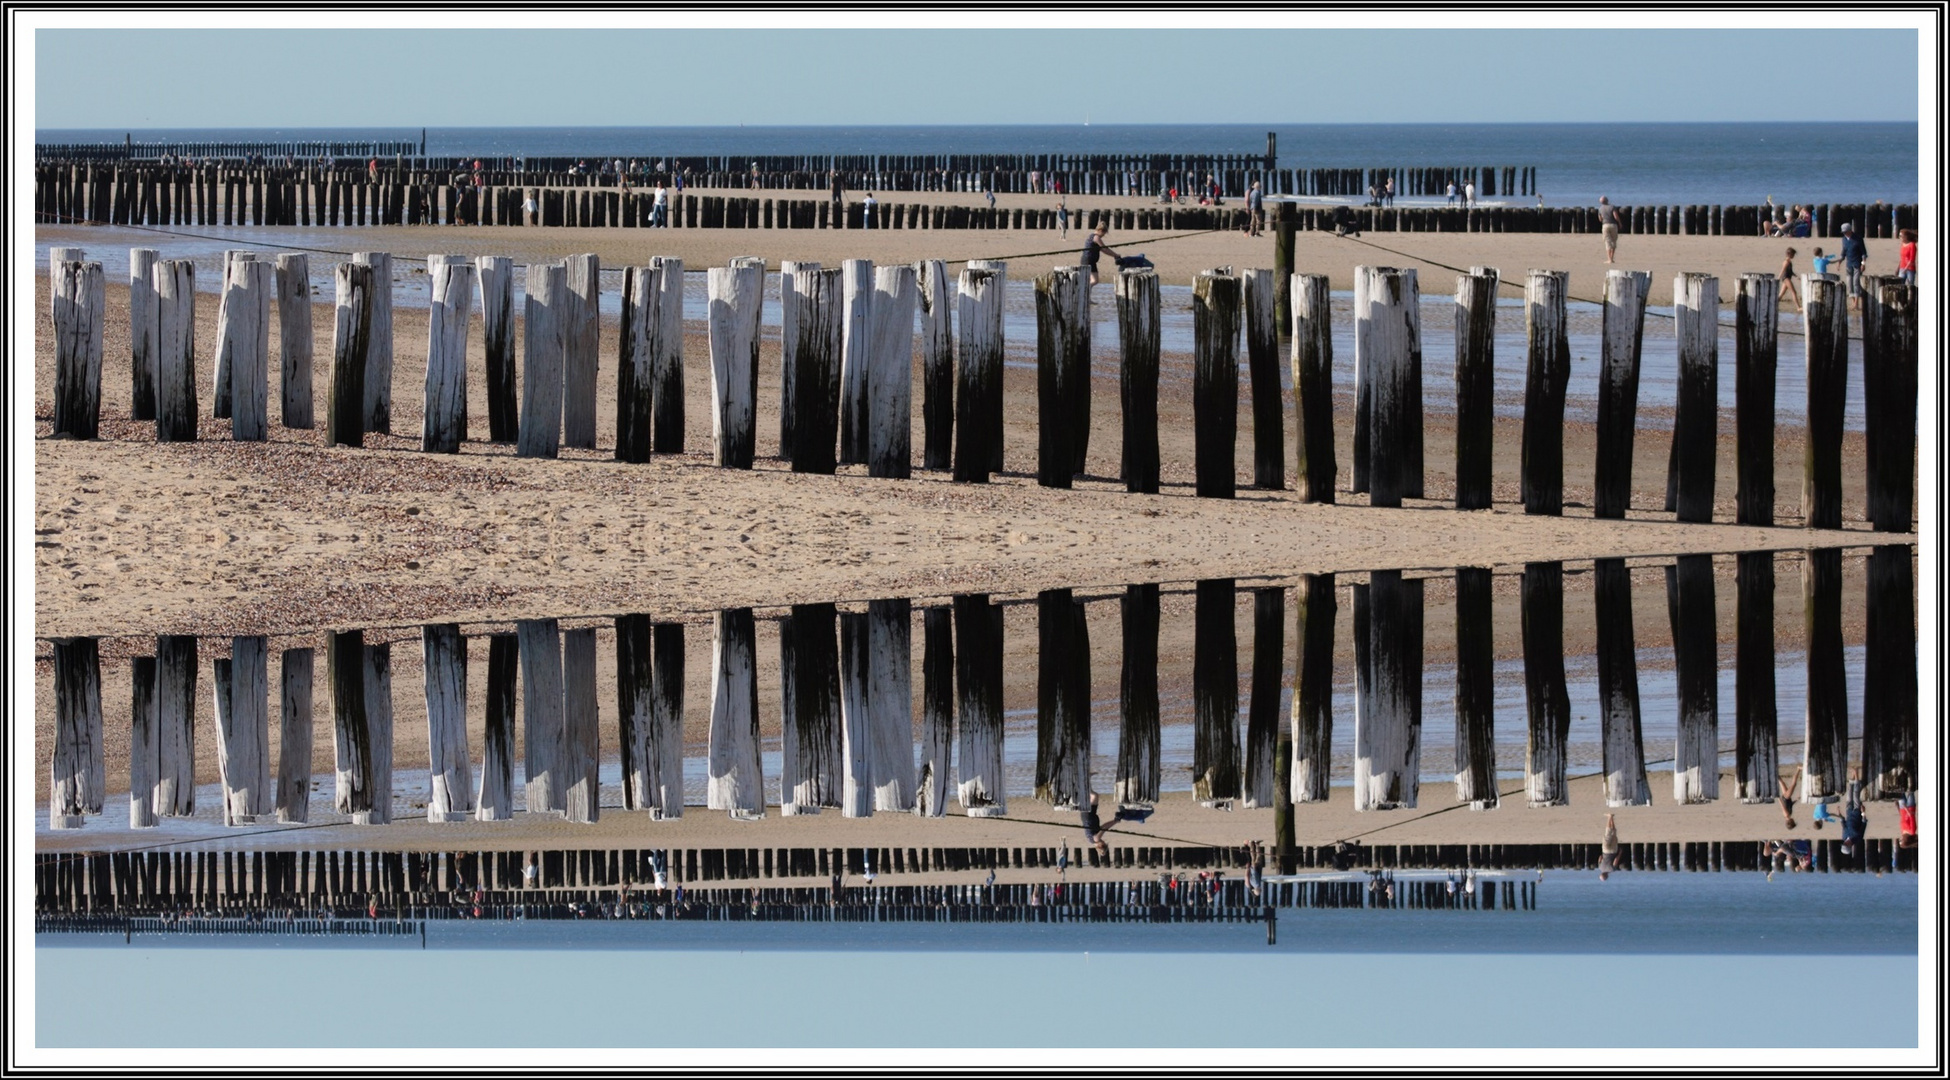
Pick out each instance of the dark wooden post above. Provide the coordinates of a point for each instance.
(541, 713)
(1475, 388)
(379, 352)
(1889, 388)
(77, 785)
(978, 703)
(1475, 687)
(937, 366)
(1824, 317)
(633, 689)
(1388, 360)
(1696, 414)
(1618, 686)
(978, 396)
(789, 304)
(1062, 701)
(1057, 308)
(1756, 756)
(345, 666)
(1756, 308)
(142, 335)
(1215, 695)
(1215, 381)
(816, 378)
(496, 276)
(1825, 756)
(294, 735)
(144, 748)
(1548, 373)
(633, 366)
(351, 342)
(734, 777)
(1263, 710)
(1689, 600)
(1139, 330)
(495, 799)
(1545, 696)
(937, 697)
(1286, 222)
(993, 401)
(1388, 691)
(579, 317)
(665, 334)
(175, 725)
(1889, 701)
(79, 310)
(890, 375)
(1263, 363)
(1138, 750)
(856, 348)
(1313, 691)
(1618, 390)
(580, 740)
(1313, 387)
(175, 351)
(667, 720)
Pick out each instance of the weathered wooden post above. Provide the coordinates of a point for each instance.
(1889, 389)
(856, 724)
(142, 333)
(1824, 318)
(735, 295)
(1696, 759)
(495, 801)
(1825, 754)
(978, 702)
(1139, 768)
(175, 725)
(978, 394)
(1286, 222)
(633, 366)
(352, 735)
(735, 782)
(1475, 387)
(1313, 691)
(633, 699)
(665, 334)
(1388, 353)
(890, 693)
(937, 364)
(581, 755)
(937, 710)
(1756, 729)
(379, 358)
(444, 407)
(1475, 687)
(228, 270)
(890, 375)
(1756, 308)
(1056, 375)
(1078, 374)
(1388, 691)
(293, 284)
(1547, 700)
(1139, 331)
(1215, 695)
(1548, 374)
(77, 785)
(789, 304)
(816, 360)
(580, 318)
(243, 730)
(351, 341)
(1622, 339)
(1696, 413)
(544, 335)
(144, 748)
(809, 667)
(451, 772)
(667, 721)
(294, 736)
(175, 282)
(79, 310)
(1618, 687)
(1889, 698)
(1313, 388)
(1063, 701)
(379, 725)
(496, 275)
(1263, 710)
(856, 352)
(246, 341)
(540, 646)
(1263, 364)
(1215, 381)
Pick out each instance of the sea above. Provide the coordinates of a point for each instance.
(1630, 163)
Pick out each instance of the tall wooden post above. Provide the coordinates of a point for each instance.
(666, 337)
(444, 407)
(1263, 363)
(444, 655)
(1618, 687)
(175, 350)
(633, 700)
(496, 798)
(543, 340)
(580, 317)
(1756, 307)
(816, 357)
(1388, 691)
(175, 726)
(735, 294)
(633, 395)
(812, 773)
(1475, 688)
(890, 374)
(243, 731)
(1138, 750)
(890, 695)
(1889, 699)
(856, 351)
(293, 270)
(379, 357)
(1825, 755)
(1388, 350)
(1313, 691)
(667, 721)
(76, 787)
(856, 725)
(1056, 374)
(1215, 381)
(496, 275)
(1689, 599)
(294, 736)
(1215, 695)
(1824, 318)
(79, 310)
(978, 393)
(1756, 756)
(379, 723)
(228, 272)
(978, 703)
(736, 783)
(1623, 337)
(540, 643)
(1139, 333)
(1263, 709)
(1313, 387)
(1889, 389)
(937, 365)
(581, 754)
(144, 743)
(1548, 374)
(1475, 387)
(142, 334)
(352, 749)
(937, 710)
(246, 341)
(1286, 221)
(789, 303)
(992, 421)
(1696, 414)
(1547, 700)
(351, 341)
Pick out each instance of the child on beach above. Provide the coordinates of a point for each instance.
(1789, 290)
(1906, 256)
(1822, 261)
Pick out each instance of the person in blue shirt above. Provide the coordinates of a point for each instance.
(1822, 262)
(1854, 254)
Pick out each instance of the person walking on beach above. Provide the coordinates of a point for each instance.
(1854, 254)
(1452, 193)
(1608, 221)
(1063, 217)
(1906, 256)
(866, 210)
(1255, 210)
(1094, 247)
(1608, 851)
(1387, 192)
(1469, 193)
(1789, 290)
(659, 207)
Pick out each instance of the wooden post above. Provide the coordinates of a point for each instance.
(1825, 755)
(790, 301)
(937, 365)
(1215, 381)
(543, 340)
(890, 375)
(76, 787)
(1696, 413)
(856, 732)
(352, 748)
(142, 333)
(1824, 317)
(79, 309)
(1618, 687)
(633, 367)
(1313, 388)
(496, 275)
(175, 351)
(581, 754)
(1063, 701)
(1286, 221)
(175, 726)
(243, 344)
(1313, 691)
(1547, 700)
(450, 771)
(1755, 310)
(294, 736)
(736, 783)
(809, 667)
(1475, 684)
(1689, 599)
(667, 721)
(666, 337)
(1756, 757)
(856, 353)
(1388, 691)
(937, 705)
(1056, 352)
(1622, 339)
(1889, 698)
(1263, 363)
(633, 692)
(144, 743)
(1215, 695)
(243, 734)
(540, 642)
(1548, 373)
(1889, 391)
(978, 394)
(351, 342)
(1476, 294)
(293, 271)
(815, 359)
(444, 408)
(1139, 328)
(1269, 661)
(889, 697)
(379, 724)
(379, 357)
(1388, 349)
(735, 295)
(978, 701)
(495, 801)
(580, 316)
(1139, 753)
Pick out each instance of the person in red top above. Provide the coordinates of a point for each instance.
(1906, 820)
(1906, 256)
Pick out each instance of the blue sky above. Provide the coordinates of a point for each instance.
(407, 77)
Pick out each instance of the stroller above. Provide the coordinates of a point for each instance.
(1133, 262)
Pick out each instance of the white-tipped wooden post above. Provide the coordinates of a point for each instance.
(496, 274)
(541, 713)
(1313, 691)
(220, 389)
(856, 357)
(1475, 387)
(1890, 361)
(890, 684)
(735, 780)
(244, 334)
(444, 409)
(294, 736)
(1313, 390)
(79, 310)
(1824, 752)
(496, 798)
(175, 282)
(1139, 331)
(633, 365)
(667, 721)
(581, 753)
(735, 295)
(1215, 694)
(451, 773)
(816, 363)
(856, 721)
(937, 365)
(978, 393)
(1618, 390)
(77, 782)
(1756, 739)
(1475, 687)
(1545, 697)
(143, 747)
(345, 408)
(294, 340)
(790, 299)
(1216, 307)
(993, 403)
(541, 375)
(1388, 691)
(142, 333)
(1696, 413)
(1689, 600)
(890, 375)
(175, 791)
(1388, 349)
(243, 731)
(1825, 322)
(809, 670)
(352, 743)
(1548, 372)
(1618, 687)
(1138, 737)
(580, 320)
(1263, 366)
(1269, 660)
(937, 711)
(379, 720)
(1057, 376)
(379, 358)
(633, 698)
(1757, 306)
(978, 703)
(666, 338)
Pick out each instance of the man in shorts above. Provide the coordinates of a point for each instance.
(1608, 219)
